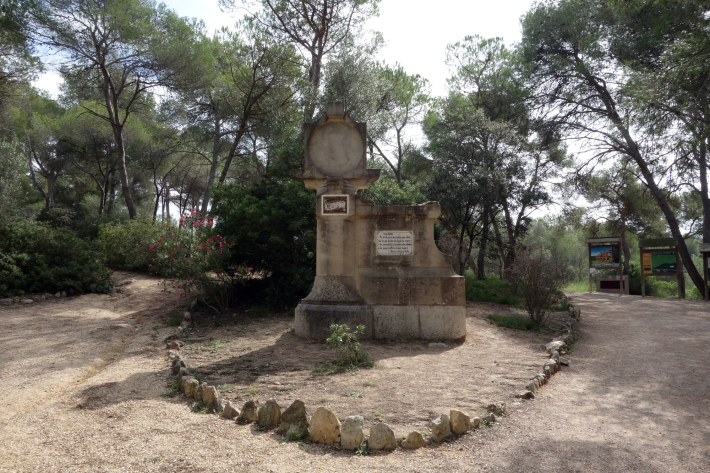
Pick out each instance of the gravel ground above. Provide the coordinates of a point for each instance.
(634, 399)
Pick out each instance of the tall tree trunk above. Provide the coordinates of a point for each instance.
(123, 173)
(704, 197)
(213, 167)
(482, 248)
(314, 74)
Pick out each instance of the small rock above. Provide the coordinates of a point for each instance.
(218, 405)
(441, 428)
(324, 426)
(555, 355)
(249, 412)
(437, 345)
(186, 316)
(525, 395)
(6, 301)
(294, 420)
(489, 418)
(180, 329)
(174, 344)
(382, 437)
(27, 301)
(414, 440)
(475, 422)
(564, 361)
(177, 365)
(58, 295)
(269, 415)
(556, 345)
(199, 392)
(172, 355)
(460, 422)
(497, 408)
(190, 386)
(351, 435)
(181, 373)
(209, 396)
(64, 293)
(533, 386)
(548, 372)
(229, 411)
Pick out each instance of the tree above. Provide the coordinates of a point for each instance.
(17, 60)
(316, 27)
(118, 50)
(579, 80)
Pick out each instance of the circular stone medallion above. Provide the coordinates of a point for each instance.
(335, 148)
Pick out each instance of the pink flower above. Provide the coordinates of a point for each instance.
(250, 268)
(150, 265)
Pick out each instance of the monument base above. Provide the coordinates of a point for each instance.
(390, 322)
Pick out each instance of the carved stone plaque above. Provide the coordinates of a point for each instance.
(335, 205)
(395, 243)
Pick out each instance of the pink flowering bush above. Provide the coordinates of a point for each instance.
(191, 256)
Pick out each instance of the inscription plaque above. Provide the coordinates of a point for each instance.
(335, 205)
(395, 243)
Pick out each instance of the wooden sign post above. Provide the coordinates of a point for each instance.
(659, 257)
(605, 253)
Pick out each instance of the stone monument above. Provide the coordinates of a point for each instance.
(375, 265)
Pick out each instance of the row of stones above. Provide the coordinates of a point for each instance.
(323, 426)
(555, 363)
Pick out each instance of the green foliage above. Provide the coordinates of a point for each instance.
(386, 191)
(514, 321)
(274, 227)
(39, 258)
(126, 244)
(363, 449)
(348, 347)
(490, 289)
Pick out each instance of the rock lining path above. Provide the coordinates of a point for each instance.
(636, 398)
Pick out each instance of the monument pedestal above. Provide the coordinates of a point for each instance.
(376, 266)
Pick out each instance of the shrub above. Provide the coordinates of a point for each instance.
(193, 256)
(489, 290)
(39, 258)
(537, 278)
(346, 343)
(274, 227)
(514, 321)
(126, 244)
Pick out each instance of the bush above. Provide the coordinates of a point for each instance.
(346, 343)
(193, 256)
(126, 244)
(514, 321)
(491, 289)
(274, 227)
(39, 258)
(538, 278)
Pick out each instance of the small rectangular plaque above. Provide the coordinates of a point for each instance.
(335, 205)
(395, 243)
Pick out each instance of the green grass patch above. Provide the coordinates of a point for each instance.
(514, 321)
(489, 290)
(577, 286)
(174, 320)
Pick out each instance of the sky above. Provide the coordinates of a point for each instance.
(415, 32)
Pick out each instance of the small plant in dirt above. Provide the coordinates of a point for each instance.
(514, 321)
(169, 393)
(174, 320)
(350, 355)
(363, 449)
(369, 384)
(538, 278)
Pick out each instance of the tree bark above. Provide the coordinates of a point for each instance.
(482, 248)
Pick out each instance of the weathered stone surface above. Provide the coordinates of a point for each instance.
(532, 386)
(555, 355)
(294, 420)
(489, 418)
(460, 422)
(382, 437)
(351, 435)
(177, 365)
(190, 386)
(542, 378)
(186, 316)
(548, 372)
(525, 395)
(209, 395)
(6, 301)
(413, 440)
(198, 392)
(475, 422)
(324, 426)
(174, 344)
(229, 411)
(58, 295)
(564, 361)
(269, 415)
(27, 301)
(173, 355)
(497, 408)
(441, 428)
(555, 345)
(249, 412)
(182, 372)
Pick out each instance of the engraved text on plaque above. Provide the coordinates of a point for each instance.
(394, 243)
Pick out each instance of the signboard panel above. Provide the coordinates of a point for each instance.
(604, 256)
(335, 205)
(395, 243)
(659, 262)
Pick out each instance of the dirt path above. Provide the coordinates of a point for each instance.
(81, 379)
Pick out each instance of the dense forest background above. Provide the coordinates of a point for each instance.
(596, 124)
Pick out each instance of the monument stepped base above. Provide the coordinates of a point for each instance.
(390, 322)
